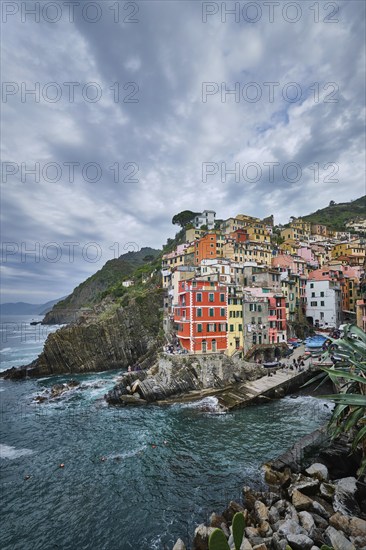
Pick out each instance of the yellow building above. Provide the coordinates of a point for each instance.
(258, 233)
(192, 234)
(354, 250)
(290, 246)
(248, 252)
(235, 322)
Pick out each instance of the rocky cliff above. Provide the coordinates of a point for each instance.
(115, 339)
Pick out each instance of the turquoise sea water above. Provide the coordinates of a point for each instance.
(164, 469)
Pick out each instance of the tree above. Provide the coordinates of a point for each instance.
(148, 258)
(332, 203)
(183, 217)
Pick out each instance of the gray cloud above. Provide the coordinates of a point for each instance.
(171, 132)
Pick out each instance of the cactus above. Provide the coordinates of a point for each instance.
(238, 526)
(217, 541)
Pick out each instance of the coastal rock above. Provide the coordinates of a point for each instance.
(273, 515)
(115, 339)
(265, 529)
(351, 526)
(307, 522)
(231, 510)
(301, 502)
(245, 545)
(319, 521)
(216, 520)
(327, 491)
(344, 497)
(337, 539)
(307, 485)
(260, 511)
(320, 510)
(319, 471)
(299, 542)
(278, 542)
(290, 527)
(201, 536)
(179, 545)
(260, 546)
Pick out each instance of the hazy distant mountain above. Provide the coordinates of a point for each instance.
(23, 308)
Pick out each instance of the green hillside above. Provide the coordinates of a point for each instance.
(337, 215)
(104, 282)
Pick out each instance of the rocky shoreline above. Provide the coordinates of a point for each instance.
(303, 508)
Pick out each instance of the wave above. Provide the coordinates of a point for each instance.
(11, 453)
(208, 404)
(5, 350)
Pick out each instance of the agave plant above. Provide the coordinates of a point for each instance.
(349, 374)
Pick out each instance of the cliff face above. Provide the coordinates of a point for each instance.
(127, 337)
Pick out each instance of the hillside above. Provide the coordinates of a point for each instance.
(104, 282)
(337, 215)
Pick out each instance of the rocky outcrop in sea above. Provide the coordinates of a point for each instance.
(106, 341)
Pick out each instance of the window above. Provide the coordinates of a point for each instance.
(211, 312)
(322, 304)
(211, 327)
(222, 312)
(222, 297)
(199, 312)
(313, 294)
(199, 297)
(223, 327)
(259, 307)
(199, 327)
(311, 285)
(240, 328)
(313, 304)
(253, 320)
(231, 328)
(322, 294)
(211, 297)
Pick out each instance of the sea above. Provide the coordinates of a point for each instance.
(79, 474)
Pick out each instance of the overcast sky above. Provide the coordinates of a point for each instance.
(130, 124)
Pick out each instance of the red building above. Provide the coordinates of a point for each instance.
(277, 319)
(201, 316)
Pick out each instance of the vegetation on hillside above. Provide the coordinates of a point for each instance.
(102, 283)
(336, 216)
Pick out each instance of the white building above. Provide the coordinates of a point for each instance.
(206, 218)
(324, 303)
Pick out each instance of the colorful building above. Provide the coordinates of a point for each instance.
(235, 320)
(201, 316)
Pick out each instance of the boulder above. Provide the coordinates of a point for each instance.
(319, 471)
(201, 535)
(273, 515)
(260, 546)
(344, 497)
(265, 529)
(301, 502)
(260, 511)
(307, 485)
(179, 545)
(232, 509)
(251, 533)
(216, 520)
(337, 539)
(319, 521)
(307, 522)
(278, 543)
(320, 510)
(290, 527)
(245, 545)
(327, 491)
(299, 542)
(357, 527)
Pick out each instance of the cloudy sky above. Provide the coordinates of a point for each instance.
(132, 121)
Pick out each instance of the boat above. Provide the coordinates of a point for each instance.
(271, 365)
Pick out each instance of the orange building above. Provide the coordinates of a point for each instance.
(207, 247)
(201, 316)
